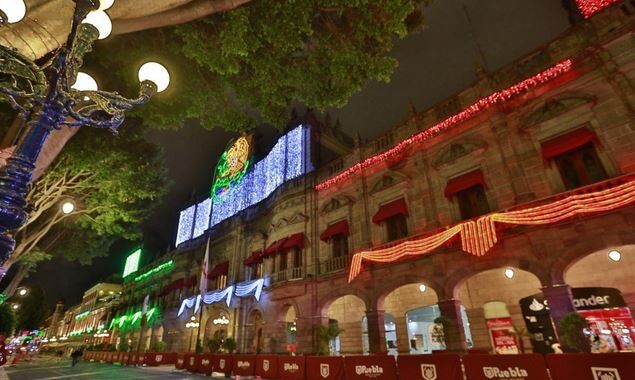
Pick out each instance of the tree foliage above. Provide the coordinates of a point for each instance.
(33, 310)
(7, 319)
(114, 182)
(239, 68)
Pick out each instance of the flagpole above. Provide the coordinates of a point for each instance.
(202, 291)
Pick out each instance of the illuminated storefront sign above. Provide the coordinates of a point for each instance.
(288, 159)
(132, 263)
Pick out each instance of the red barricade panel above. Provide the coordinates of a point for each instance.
(204, 364)
(141, 359)
(124, 358)
(180, 361)
(325, 368)
(291, 367)
(222, 363)
(191, 362)
(244, 365)
(614, 366)
(111, 357)
(427, 367)
(267, 366)
(133, 358)
(375, 367)
(513, 367)
(160, 358)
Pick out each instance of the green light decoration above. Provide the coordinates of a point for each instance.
(132, 263)
(3, 297)
(132, 321)
(82, 315)
(232, 166)
(167, 266)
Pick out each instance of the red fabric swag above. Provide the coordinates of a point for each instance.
(567, 142)
(274, 247)
(294, 241)
(464, 182)
(219, 269)
(339, 228)
(255, 258)
(391, 209)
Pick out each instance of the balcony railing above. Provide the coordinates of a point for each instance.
(287, 275)
(334, 265)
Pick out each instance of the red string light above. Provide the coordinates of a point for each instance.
(478, 237)
(590, 7)
(467, 113)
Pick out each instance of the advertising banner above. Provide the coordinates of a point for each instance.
(372, 367)
(505, 367)
(154, 359)
(180, 361)
(204, 364)
(291, 367)
(502, 335)
(325, 368)
(615, 366)
(244, 365)
(430, 367)
(267, 366)
(191, 362)
(222, 363)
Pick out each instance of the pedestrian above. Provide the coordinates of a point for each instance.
(3, 358)
(75, 355)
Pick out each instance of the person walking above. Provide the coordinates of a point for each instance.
(75, 355)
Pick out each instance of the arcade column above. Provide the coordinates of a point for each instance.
(455, 338)
(376, 331)
(560, 302)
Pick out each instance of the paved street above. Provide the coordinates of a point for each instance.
(53, 369)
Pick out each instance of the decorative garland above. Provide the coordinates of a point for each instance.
(472, 110)
(478, 237)
(590, 7)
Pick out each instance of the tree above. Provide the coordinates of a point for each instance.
(7, 319)
(33, 310)
(240, 68)
(572, 335)
(114, 182)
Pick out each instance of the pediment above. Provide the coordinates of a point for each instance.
(457, 150)
(387, 180)
(298, 217)
(335, 203)
(557, 106)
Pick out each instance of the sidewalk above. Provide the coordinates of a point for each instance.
(171, 369)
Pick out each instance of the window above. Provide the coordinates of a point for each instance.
(340, 245)
(297, 257)
(396, 227)
(580, 167)
(472, 202)
(282, 257)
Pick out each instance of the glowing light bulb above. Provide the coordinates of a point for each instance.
(155, 73)
(615, 255)
(67, 208)
(13, 9)
(422, 288)
(84, 82)
(22, 292)
(509, 273)
(101, 21)
(105, 4)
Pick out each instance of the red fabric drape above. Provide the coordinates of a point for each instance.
(391, 209)
(255, 258)
(274, 247)
(294, 241)
(464, 182)
(568, 141)
(219, 269)
(339, 228)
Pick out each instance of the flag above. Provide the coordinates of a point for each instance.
(144, 309)
(204, 271)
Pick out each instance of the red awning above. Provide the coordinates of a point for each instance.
(338, 228)
(274, 247)
(255, 258)
(294, 241)
(568, 141)
(464, 182)
(219, 270)
(391, 209)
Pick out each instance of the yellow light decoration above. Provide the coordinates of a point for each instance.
(478, 237)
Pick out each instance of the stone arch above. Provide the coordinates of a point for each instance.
(596, 269)
(401, 281)
(255, 334)
(492, 285)
(211, 329)
(341, 291)
(347, 311)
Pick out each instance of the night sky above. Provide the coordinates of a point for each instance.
(433, 64)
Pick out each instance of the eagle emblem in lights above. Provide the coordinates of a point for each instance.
(232, 166)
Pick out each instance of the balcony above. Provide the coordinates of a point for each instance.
(287, 275)
(334, 265)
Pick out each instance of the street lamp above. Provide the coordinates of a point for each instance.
(55, 94)
(22, 292)
(68, 207)
(193, 325)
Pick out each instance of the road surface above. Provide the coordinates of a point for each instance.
(45, 368)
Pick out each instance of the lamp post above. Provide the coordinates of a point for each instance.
(53, 95)
(192, 325)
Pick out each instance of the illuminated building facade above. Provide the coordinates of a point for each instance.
(505, 207)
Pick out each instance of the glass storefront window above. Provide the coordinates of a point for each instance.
(421, 329)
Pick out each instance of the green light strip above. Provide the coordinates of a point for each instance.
(163, 267)
(82, 315)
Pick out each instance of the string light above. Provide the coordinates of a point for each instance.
(221, 321)
(244, 289)
(232, 167)
(167, 266)
(478, 237)
(590, 7)
(467, 113)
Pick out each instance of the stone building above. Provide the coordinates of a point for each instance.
(542, 151)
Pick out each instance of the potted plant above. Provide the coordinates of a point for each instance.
(229, 345)
(214, 345)
(572, 334)
(160, 346)
(325, 334)
(273, 345)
